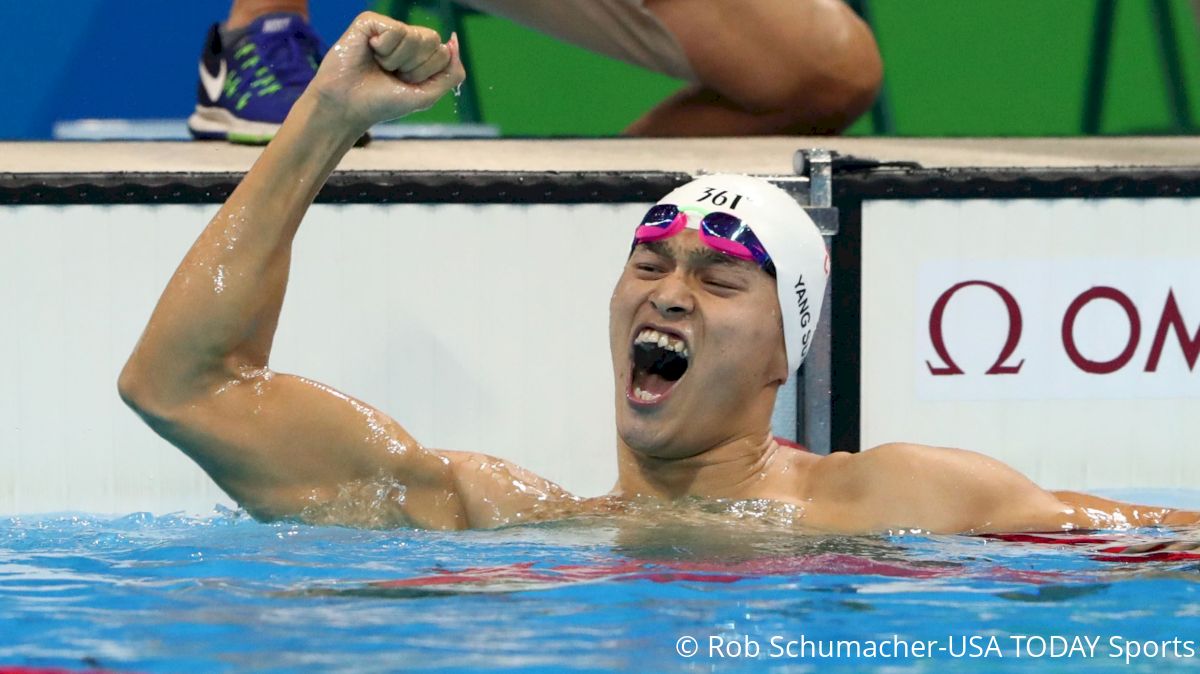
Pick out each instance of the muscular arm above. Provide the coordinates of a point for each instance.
(279, 444)
(901, 486)
(1106, 513)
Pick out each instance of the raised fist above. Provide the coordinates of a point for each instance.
(381, 69)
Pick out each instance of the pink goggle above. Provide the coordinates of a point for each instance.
(723, 232)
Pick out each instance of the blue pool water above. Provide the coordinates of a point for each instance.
(226, 594)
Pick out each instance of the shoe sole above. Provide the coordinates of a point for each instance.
(208, 123)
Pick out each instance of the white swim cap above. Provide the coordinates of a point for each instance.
(790, 237)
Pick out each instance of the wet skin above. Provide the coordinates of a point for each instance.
(287, 447)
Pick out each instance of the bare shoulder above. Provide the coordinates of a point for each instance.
(907, 461)
(903, 485)
(925, 460)
(852, 475)
(495, 492)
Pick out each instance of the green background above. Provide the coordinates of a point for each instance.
(953, 68)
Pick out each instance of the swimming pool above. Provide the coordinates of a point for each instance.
(225, 593)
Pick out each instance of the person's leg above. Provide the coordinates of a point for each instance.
(766, 67)
(700, 111)
(243, 12)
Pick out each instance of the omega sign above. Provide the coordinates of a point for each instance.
(1058, 329)
(1170, 322)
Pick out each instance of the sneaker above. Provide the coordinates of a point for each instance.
(246, 88)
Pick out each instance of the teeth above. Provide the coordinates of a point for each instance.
(652, 336)
(648, 335)
(643, 395)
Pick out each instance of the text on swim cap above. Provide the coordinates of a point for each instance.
(805, 315)
(720, 197)
(802, 301)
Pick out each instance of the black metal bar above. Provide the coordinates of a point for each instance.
(347, 187)
(846, 328)
(574, 187)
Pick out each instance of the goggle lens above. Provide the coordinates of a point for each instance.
(728, 234)
(661, 221)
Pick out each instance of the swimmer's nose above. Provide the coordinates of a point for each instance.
(672, 299)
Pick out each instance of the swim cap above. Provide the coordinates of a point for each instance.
(787, 232)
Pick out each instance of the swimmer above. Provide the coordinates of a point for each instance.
(712, 312)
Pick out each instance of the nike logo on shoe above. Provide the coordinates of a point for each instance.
(213, 84)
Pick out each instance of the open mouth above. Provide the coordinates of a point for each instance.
(659, 362)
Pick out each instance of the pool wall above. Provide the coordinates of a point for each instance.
(1061, 335)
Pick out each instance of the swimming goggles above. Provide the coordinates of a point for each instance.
(722, 232)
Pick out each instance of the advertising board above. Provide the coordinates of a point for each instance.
(1061, 336)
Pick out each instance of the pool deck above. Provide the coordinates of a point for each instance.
(771, 155)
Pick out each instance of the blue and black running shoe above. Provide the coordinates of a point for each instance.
(246, 88)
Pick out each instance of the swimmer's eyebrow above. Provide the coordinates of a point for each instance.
(698, 259)
(659, 248)
(711, 258)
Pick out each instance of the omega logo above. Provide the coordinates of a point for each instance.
(1170, 320)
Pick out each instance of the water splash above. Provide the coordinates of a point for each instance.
(368, 504)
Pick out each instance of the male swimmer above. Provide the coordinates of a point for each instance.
(712, 312)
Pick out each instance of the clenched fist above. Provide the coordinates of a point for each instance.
(381, 69)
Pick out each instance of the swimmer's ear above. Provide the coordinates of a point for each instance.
(779, 362)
